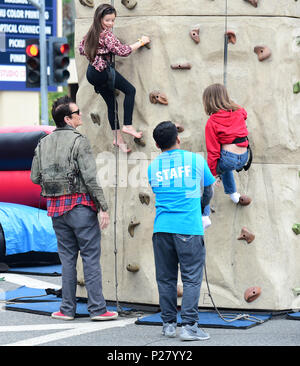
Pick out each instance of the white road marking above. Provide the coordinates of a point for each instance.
(66, 329)
(76, 329)
(28, 281)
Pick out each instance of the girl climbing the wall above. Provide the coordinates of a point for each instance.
(226, 139)
(98, 45)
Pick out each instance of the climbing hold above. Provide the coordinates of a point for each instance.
(139, 141)
(134, 267)
(179, 291)
(296, 229)
(296, 291)
(194, 33)
(81, 282)
(183, 66)
(263, 52)
(246, 235)
(144, 198)
(179, 128)
(296, 88)
(132, 226)
(89, 3)
(231, 37)
(130, 4)
(253, 2)
(252, 293)
(244, 200)
(158, 97)
(95, 118)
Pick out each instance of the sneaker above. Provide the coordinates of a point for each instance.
(206, 222)
(235, 197)
(192, 333)
(108, 315)
(169, 330)
(59, 315)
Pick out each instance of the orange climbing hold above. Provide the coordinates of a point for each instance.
(244, 200)
(263, 52)
(183, 66)
(89, 3)
(158, 97)
(253, 2)
(130, 4)
(132, 226)
(231, 37)
(194, 33)
(252, 293)
(179, 127)
(246, 235)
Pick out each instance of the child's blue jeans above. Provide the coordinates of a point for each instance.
(228, 162)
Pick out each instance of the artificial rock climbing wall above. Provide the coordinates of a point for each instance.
(263, 72)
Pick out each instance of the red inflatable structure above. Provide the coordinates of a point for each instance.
(17, 145)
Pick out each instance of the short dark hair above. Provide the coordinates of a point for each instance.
(165, 134)
(61, 109)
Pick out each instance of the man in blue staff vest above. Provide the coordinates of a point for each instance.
(182, 184)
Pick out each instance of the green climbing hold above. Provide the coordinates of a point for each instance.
(296, 291)
(296, 87)
(296, 229)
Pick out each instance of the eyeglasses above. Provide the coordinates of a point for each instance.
(77, 112)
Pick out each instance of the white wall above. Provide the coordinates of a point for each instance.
(19, 108)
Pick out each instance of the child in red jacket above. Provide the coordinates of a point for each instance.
(226, 141)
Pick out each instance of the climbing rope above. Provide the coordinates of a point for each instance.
(119, 308)
(225, 46)
(228, 318)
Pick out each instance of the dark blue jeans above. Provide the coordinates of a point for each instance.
(99, 80)
(189, 252)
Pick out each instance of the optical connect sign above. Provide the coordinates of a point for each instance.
(19, 20)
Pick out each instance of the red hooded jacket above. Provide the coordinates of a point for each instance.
(221, 128)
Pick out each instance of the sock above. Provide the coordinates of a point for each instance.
(235, 197)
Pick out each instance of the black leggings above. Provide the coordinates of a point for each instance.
(99, 80)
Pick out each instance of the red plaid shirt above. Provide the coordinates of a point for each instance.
(57, 206)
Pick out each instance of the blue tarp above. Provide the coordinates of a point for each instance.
(43, 303)
(26, 229)
(210, 319)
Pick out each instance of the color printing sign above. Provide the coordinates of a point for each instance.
(19, 20)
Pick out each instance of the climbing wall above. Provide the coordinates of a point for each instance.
(263, 75)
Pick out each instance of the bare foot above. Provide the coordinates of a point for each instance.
(131, 131)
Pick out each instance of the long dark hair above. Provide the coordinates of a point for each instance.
(216, 97)
(92, 36)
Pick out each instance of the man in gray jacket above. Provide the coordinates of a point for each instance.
(64, 166)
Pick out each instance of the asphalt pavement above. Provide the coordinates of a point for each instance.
(121, 339)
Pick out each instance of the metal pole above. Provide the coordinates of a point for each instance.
(225, 46)
(43, 60)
